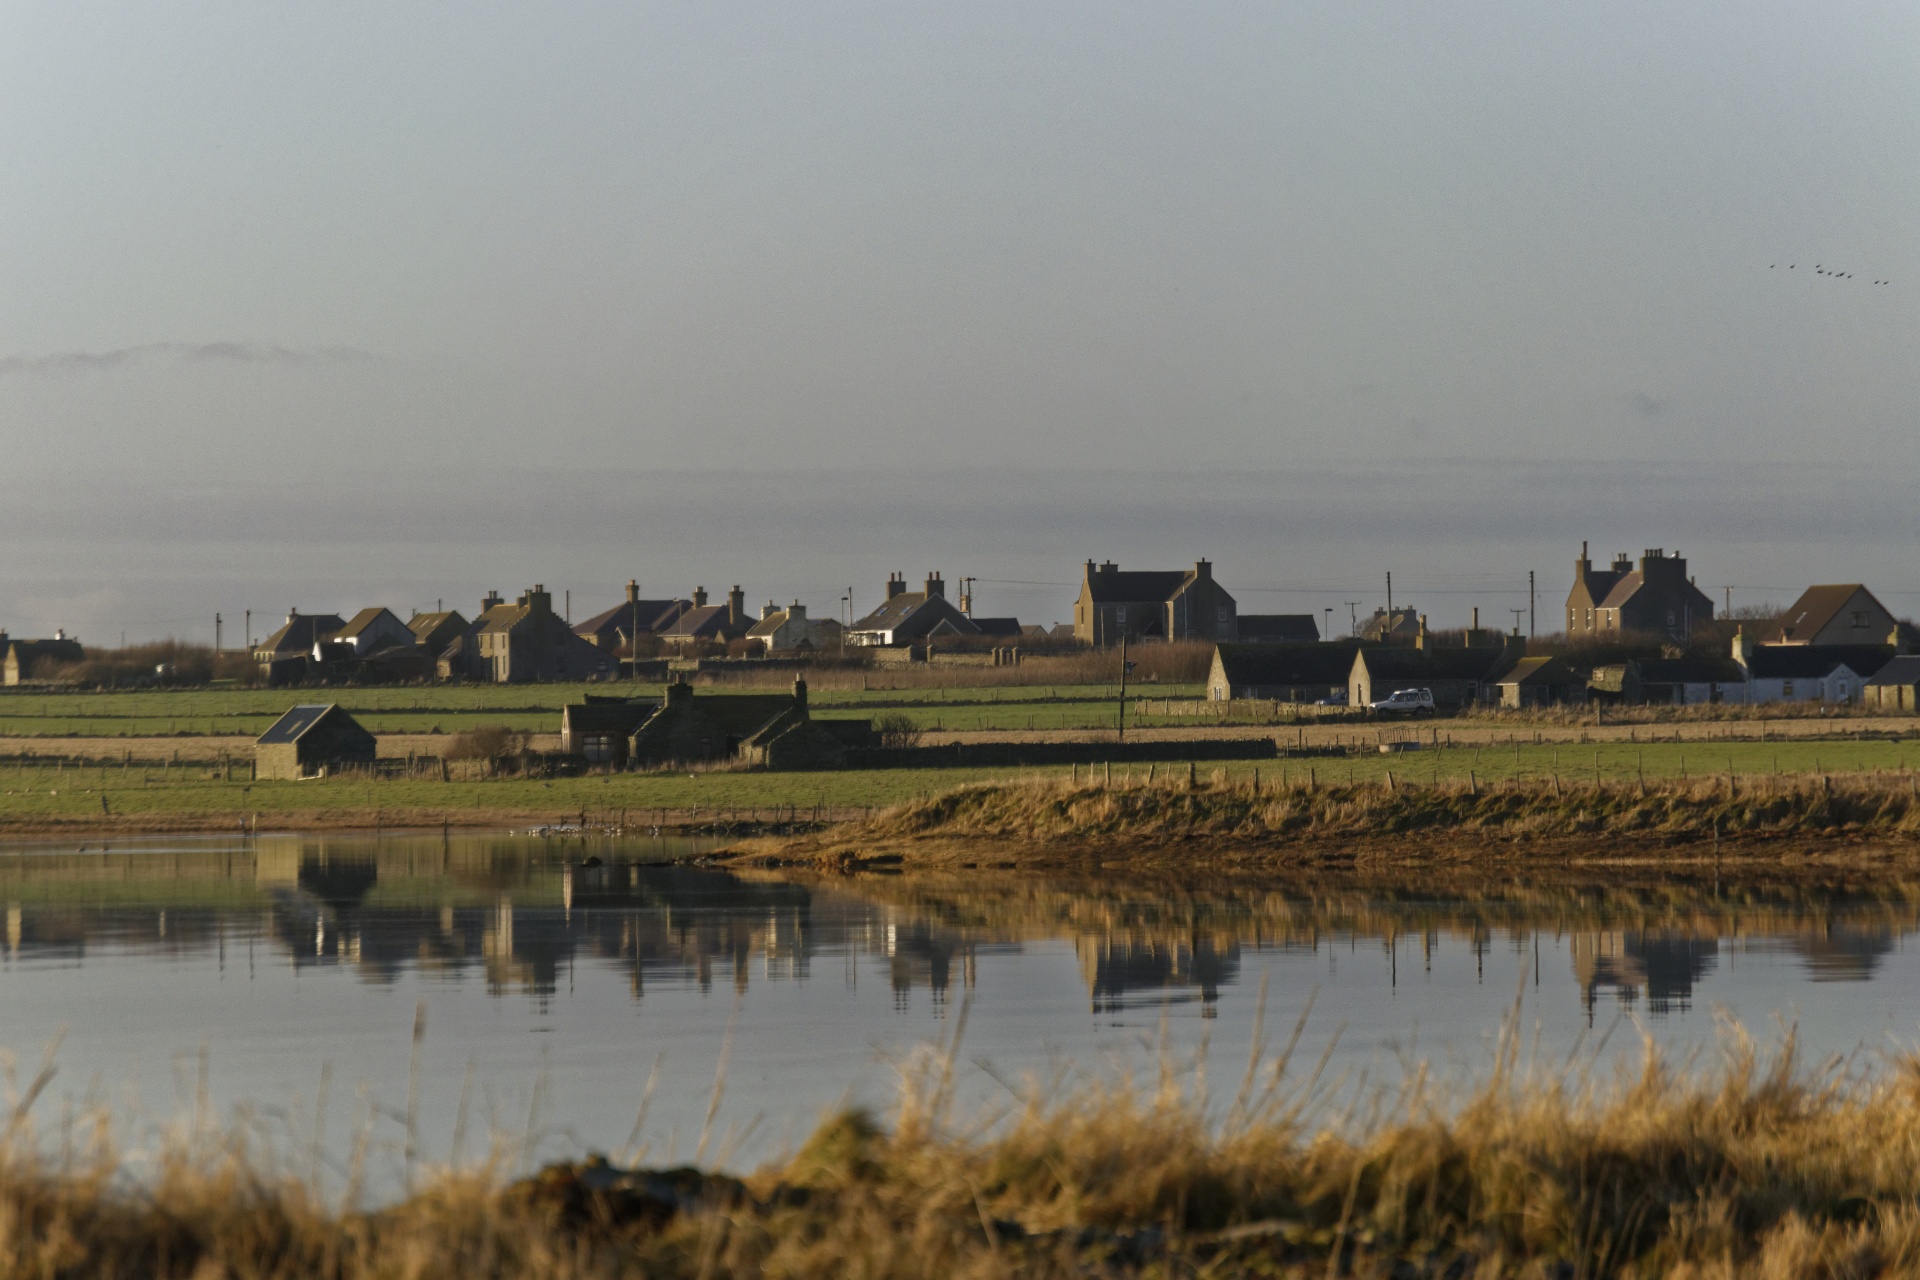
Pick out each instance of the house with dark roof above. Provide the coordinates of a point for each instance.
(1153, 604)
(615, 628)
(528, 641)
(776, 731)
(1280, 672)
(1540, 682)
(372, 630)
(433, 632)
(1896, 687)
(710, 623)
(911, 617)
(1691, 682)
(1656, 599)
(312, 741)
(288, 655)
(1837, 613)
(1278, 628)
(23, 661)
(601, 729)
(1833, 673)
(1458, 677)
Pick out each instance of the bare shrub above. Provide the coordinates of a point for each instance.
(896, 729)
(488, 742)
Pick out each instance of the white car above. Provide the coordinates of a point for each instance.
(1404, 702)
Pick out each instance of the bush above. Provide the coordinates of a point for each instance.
(488, 742)
(896, 729)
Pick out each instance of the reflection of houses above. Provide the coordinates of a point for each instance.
(1123, 969)
(1662, 966)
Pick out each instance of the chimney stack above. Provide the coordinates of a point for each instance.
(935, 587)
(896, 584)
(700, 597)
(1203, 569)
(736, 606)
(633, 591)
(1421, 640)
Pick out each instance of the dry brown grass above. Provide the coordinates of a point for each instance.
(1762, 1167)
(1875, 804)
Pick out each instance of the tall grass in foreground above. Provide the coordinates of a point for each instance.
(1762, 1167)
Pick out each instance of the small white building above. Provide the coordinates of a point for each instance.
(1827, 673)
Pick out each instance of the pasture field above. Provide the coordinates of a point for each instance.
(124, 797)
(451, 709)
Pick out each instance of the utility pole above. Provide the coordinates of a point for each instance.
(1389, 600)
(216, 635)
(1328, 633)
(1353, 618)
(1123, 687)
(569, 613)
(633, 640)
(249, 631)
(1530, 632)
(1516, 619)
(1729, 612)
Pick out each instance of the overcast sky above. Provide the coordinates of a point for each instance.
(325, 305)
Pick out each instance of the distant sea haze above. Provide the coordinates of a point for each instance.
(119, 554)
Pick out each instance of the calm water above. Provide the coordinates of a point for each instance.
(557, 975)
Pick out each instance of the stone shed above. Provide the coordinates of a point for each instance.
(312, 741)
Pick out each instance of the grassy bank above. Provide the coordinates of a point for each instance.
(1759, 1169)
(1228, 816)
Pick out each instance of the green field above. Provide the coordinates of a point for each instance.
(36, 794)
(534, 708)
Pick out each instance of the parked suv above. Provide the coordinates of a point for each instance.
(1404, 702)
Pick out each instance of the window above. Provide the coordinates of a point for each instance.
(1120, 614)
(1225, 613)
(1786, 688)
(1859, 619)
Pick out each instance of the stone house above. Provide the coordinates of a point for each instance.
(1458, 677)
(601, 729)
(372, 630)
(911, 617)
(527, 641)
(1656, 599)
(776, 731)
(784, 630)
(1896, 687)
(1151, 604)
(615, 628)
(22, 661)
(1540, 682)
(312, 741)
(1838, 613)
(709, 623)
(1280, 672)
(433, 632)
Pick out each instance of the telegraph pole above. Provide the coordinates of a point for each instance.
(1530, 604)
(1123, 687)
(216, 635)
(1353, 618)
(1328, 633)
(249, 630)
(1389, 600)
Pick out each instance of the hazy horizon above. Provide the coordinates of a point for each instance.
(324, 307)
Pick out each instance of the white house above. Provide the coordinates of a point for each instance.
(1827, 673)
(789, 628)
(370, 631)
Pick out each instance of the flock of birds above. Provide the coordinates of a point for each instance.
(1820, 270)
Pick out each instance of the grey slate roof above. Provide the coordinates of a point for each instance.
(1129, 586)
(1279, 628)
(1692, 671)
(1814, 661)
(1286, 664)
(1904, 669)
(292, 726)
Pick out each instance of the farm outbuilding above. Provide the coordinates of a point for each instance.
(312, 741)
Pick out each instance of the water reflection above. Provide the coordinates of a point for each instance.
(523, 913)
